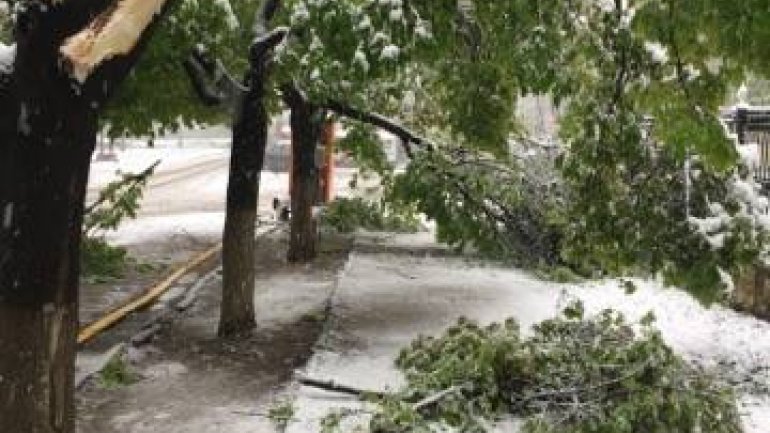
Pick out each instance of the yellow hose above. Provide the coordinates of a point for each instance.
(145, 299)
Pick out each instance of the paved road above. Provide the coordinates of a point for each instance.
(195, 186)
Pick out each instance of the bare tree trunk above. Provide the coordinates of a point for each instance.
(215, 87)
(307, 121)
(239, 239)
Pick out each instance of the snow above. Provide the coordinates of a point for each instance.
(300, 14)
(383, 301)
(155, 229)
(8, 216)
(396, 15)
(390, 52)
(422, 30)
(232, 20)
(365, 23)
(7, 57)
(658, 52)
(135, 160)
(749, 154)
(360, 58)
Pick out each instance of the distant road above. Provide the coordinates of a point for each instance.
(190, 181)
(185, 182)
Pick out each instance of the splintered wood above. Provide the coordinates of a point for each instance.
(114, 32)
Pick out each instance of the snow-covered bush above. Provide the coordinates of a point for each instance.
(485, 204)
(574, 374)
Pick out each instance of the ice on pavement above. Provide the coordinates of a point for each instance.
(384, 301)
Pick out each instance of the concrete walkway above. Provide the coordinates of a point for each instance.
(384, 300)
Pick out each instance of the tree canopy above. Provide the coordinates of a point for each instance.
(640, 83)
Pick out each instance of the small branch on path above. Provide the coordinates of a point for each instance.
(330, 385)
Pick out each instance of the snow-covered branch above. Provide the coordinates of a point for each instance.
(211, 80)
(265, 14)
(406, 135)
(264, 43)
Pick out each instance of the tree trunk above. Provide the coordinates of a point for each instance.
(239, 239)
(306, 124)
(45, 169)
(48, 126)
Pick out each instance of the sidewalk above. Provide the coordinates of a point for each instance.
(190, 381)
(385, 300)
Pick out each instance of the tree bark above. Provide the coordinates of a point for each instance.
(306, 125)
(48, 124)
(246, 162)
(239, 239)
(45, 165)
(215, 87)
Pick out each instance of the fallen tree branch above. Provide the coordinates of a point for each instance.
(435, 398)
(330, 385)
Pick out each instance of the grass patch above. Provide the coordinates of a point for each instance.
(281, 414)
(117, 374)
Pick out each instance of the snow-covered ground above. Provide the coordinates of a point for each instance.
(384, 301)
(137, 159)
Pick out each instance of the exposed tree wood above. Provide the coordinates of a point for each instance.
(435, 398)
(145, 299)
(332, 386)
(115, 32)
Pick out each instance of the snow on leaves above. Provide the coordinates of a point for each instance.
(343, 48)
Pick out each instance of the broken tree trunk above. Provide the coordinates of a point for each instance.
(48, 121)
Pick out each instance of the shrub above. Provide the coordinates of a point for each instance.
(349, 214)
(116, 374)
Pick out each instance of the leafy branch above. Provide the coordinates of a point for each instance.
(117, 201)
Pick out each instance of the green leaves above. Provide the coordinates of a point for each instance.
(365, 146)
(348, 215)
(157, 97)
(575, 374)
(116, 202)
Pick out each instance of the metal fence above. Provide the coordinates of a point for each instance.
(751, 125)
